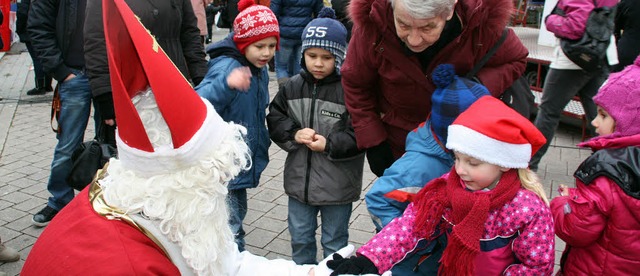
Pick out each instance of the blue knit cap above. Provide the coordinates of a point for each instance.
(327, 33)
(452, 96)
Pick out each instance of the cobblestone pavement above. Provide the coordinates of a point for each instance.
(26, 148)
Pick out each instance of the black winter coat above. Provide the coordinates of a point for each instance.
(316, 178)
(50, 25)
(172, 23)
(627, 32)
(21, 20)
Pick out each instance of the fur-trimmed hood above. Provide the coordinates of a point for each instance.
(486, 14)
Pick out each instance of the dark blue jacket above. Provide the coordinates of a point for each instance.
(245, 108)
(294, 15)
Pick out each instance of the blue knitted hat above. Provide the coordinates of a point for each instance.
(452, 96)
(327, 33)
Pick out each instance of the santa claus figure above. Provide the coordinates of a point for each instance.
(159, 208)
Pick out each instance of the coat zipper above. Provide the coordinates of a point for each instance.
(309, 151)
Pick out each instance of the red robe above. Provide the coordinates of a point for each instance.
(80, 241)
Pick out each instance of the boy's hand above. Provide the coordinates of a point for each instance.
(318, 143)
(240, 79)
(305, 136)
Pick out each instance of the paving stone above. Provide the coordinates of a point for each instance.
(273, 225)
(260, 237)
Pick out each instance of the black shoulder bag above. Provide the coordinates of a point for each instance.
(519, 95)
(589, 52)
(89, 157)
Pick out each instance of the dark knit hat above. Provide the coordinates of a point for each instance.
(254, 23)
(452, 96)
(327, 33)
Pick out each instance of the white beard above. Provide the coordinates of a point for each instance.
(190, 204)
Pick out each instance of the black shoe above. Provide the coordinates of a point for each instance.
(48, 89)
(42, 218)
(36, 91)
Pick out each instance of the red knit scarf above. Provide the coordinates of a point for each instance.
(470, 211)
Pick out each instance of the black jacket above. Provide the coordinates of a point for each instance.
(21, 20)
(627, 32)
(50, 25)
(316, 178)
(172, 23)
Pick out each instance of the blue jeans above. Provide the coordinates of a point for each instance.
(75, 99)
(303, 222)
(237, 211)
(288, 58)
(559, 88)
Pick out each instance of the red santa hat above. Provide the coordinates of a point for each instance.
(137, 62)
(492, 132)
(254, 23)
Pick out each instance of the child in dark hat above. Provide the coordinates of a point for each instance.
(308, 119)
(426, 157)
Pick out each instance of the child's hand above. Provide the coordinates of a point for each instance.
(240, 79)
(305, 136)
(563, 190)
(318, 144)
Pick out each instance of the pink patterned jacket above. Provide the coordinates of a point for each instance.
(518, 239)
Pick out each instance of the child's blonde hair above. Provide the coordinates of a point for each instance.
(530, 181)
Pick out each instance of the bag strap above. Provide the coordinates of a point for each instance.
(488, 55)
(55, 109)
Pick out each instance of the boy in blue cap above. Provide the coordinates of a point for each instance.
(309, 120)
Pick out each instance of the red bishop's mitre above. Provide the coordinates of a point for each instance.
(137, 62)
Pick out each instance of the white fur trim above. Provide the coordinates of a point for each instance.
(470, 142)
(166, 159)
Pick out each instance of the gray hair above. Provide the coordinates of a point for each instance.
(424, 9)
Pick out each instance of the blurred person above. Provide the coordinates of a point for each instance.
(627, 33)
(293, 16)
(55, 30)
(174, 25)
(199, 9)
(42, 80)
(7, 254)
(565, 79)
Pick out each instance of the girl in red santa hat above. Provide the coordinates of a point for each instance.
(599, 219)
(488, 216)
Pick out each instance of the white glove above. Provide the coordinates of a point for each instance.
(322, 270)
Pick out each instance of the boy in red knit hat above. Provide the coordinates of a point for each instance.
(237, 87)
(599, 219)
(488, 216)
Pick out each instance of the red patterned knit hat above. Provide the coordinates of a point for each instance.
(254, 23)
